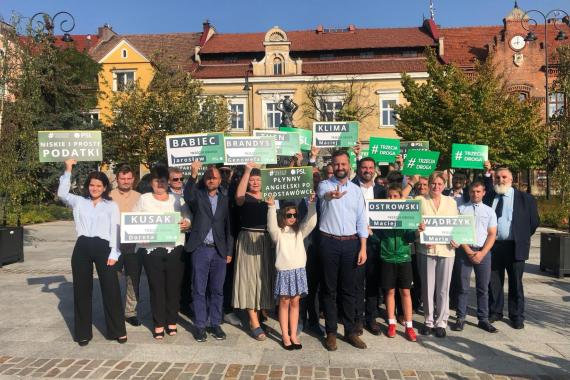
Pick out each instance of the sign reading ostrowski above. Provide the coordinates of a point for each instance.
(146, 227)
(335, 134)
(287, 183)
(241, 150)
(184, 149)
(393, 214)
(58, 146)
(444, 229)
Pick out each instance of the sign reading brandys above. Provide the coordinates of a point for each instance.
(241, 150)
(184, 149)
(444, 229)
(58, 146)
(335, 134)
(146, 227)
(287, 183)
(286, 143)
(393, 214)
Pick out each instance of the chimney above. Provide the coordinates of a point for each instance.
(208, 31)
(105, 32)
(319, 28)
(351, 28)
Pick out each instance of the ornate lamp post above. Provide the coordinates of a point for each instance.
(42, 21)
(554, 17)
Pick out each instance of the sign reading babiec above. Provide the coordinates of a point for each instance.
(146, 227)
(305, 136)
(335, 134)
(393, 214)
(58, 146)
(444, 229)
(405, 146)
(286, 143)
(421, 162)
(182, 150)
(241, 150)
(383, 149)
(287, 183)
(469, 156)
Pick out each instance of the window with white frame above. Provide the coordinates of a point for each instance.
(555, 103)
(93, 116)
(387, 112)
(124, 53)
(123, 79)
(237, 115)
(277, 66)
(272, 116)
(329, 110)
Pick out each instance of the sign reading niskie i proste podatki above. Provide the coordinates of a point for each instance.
(58, 146)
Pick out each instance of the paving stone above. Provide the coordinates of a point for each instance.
(192, 367)
(205, 369)
(306, 371)
(163, 367)
(394, 374)
(262, 369)
(349, 373)
(249, 367)
(4, 359)
(172, 374)
(52, 372)
(12, 371)
(24, 363)
(110, 363)
(65, 363)
(179, 365)
(69, 372)
(50, 364)
(99, 373)
(275, 374)
(137, 364)
(94, 364)
(335, 372)
(408, 372)
(215, 376)
(37, 363)
(379, 374)
(147, 369)
(26, 371)
(122, 365)
(113, 374)
(364, 373)
(246, 375)
(259, 376)
(183, 376)
(128, 373)
(290, 370)
(424, 375)
(15, 360)
(154, 376)
(233, 370)
(81, 374)
(290, 378)
(219, 368)
(5, 367)
(305, 378)
(82, 362)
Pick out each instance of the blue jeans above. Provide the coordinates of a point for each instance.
(208, 275)
(482, 279)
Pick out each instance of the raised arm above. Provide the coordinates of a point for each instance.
(242, 187)
(272, 226)
(65, 185)
(189, 188)
(310, 220)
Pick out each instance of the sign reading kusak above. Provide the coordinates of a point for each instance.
(146, 227)
(335, 134)
(241, 150)
(444, 229)
(286, 143)
(393, 214)
(182, 150)
(287, 183)
(58, 146)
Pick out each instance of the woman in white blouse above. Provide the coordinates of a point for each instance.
(163, 262)
(97, 220)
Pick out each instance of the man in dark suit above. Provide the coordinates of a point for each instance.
(517, 218)
(210, 243)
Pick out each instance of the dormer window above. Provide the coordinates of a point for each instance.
(277, 66)
(124, 53)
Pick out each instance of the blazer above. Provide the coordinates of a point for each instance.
(465, 195)
(204, 220)
(525, 218)
(379, 190)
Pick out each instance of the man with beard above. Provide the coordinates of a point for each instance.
(344, 229)
(367, 282)
(517, 220)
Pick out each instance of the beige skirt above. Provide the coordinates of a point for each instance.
(254, 271)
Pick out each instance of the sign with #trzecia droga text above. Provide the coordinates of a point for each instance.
(421, 162)
(444, 229)
(468, 156)
(393, 214)
(182, 150)
(58, 146)
(146, 227)
(287, 183)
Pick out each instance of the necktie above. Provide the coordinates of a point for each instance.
(499, 208)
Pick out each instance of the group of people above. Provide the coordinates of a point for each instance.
(239, 251)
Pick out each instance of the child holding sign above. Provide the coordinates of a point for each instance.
(291, 280)
(396, 270)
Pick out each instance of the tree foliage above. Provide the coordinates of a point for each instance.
(172, 104)
(451, 107)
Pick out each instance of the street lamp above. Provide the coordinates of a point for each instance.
(529, 24)
(42, 21)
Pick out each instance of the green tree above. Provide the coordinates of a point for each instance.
(451, 107)
(172, 104)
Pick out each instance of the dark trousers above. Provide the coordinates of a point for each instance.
(368, 287)
(229, 285)
(89, 251)
(503, 259)
(338, 260)
(309, 305)
(164, 271)
(482, 279)
(416, 291)
(208, 275)
(186, 282)
(131, 262)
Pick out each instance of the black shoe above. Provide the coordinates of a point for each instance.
(459, 324)
(289, 347)
(133, 321)
(83, 343)
(495, 317)
(200, 335)
(517, 325)
(424, 330)
(122, 340)
(440, 332)
(485, 325)
(374, 328)
(217, 333)
(297, 346)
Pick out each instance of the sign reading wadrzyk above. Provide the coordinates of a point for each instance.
(146, 227)
(335, 134)
(286, 143)
(287, 183)
(444, 229)
(241, 150)
(393, 214)
(184, 149)
(58, 146)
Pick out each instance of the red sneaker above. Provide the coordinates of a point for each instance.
(391, 330)
(411, 334)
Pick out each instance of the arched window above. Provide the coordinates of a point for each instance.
(277, 66)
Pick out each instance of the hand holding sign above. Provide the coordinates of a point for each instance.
(270, 200)
(195, 168)
(184, 225)
(69, 164)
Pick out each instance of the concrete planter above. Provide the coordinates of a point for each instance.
(11, 245)
(555, 253)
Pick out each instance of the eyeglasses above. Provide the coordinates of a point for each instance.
(290, 216)
(177, 179)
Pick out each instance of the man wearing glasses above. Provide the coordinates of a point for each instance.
(175, 181)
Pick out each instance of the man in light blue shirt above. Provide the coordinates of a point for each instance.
(344, 229)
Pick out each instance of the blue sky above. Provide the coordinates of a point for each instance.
(151, 16)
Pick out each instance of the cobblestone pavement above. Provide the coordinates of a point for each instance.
(36, 323)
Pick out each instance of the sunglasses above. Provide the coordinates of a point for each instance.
(290, 216)
(178, 179)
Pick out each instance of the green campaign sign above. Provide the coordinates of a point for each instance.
(444, 229)
(148, 227)
(287, 183)
(286, 143)
(393, 214)
(469, 156)
(384, 149)
(182, 150)
(405, 146)
(58, 146)
(305, 136)
(422, 162)
(335, 134)
(241, 150)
